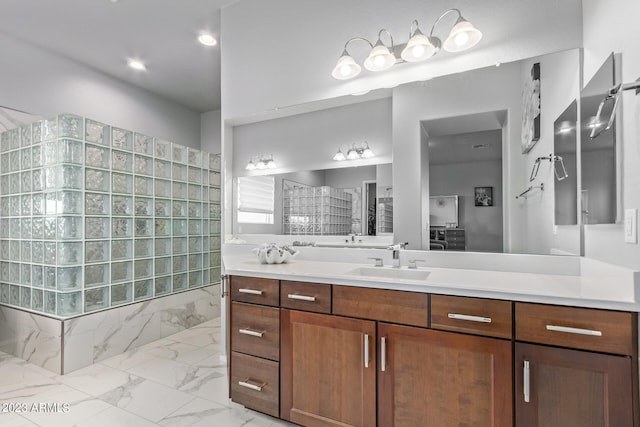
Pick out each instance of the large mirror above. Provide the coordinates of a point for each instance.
(477, 111)
(565, 143)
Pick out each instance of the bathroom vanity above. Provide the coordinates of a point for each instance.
(322, 343)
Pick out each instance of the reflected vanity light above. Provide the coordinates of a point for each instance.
(207, 39)
(136, 65)
(462, 36)
(356, 151)
(262, 163)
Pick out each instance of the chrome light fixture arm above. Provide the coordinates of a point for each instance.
(551, 158)
(613, 94)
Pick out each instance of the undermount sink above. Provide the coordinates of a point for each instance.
(390, 273)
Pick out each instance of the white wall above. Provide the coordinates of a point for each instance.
(611, 26)
(44, 84)
(210, 132)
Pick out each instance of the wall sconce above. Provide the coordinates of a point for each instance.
(263, 163)
(361, 151)
(463, 36)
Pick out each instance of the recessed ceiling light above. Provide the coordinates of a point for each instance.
(207, 40)
(136, 65)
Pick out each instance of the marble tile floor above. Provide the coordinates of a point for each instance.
(177, 381)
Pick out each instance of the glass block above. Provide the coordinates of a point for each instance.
(179, 208)
(206, 279)
(50, 203)
(214, 179)
(14, 272)
(70, 151)
(162, 207)
(5, 293)
(69, 303)
(14, 206)
(97, 251)
(5, 271)
(194, 157)
(69, 253)
(70, 227)
(96, 156)
(49, 252)
(195, 175)
(195, 210)
(37, 180)
(179, 245)
(195, 262)
(121, 183)
(143, 165)
(178, 153)
(37, 251)
(215, 161)
(25, 135)
(25, 251)
(162, 266)
(25, 159)
(37, 276)
(214, 275)
(179, 227)
(121, 138)
(214, 194)
(96, 275)
(4, 163)
(163, 188)
(49, 277)
(96, 180)
(14, 138)
(195, 244)
(121, 294)
(69, 278)
(195, 192)
(143, 227)
(178, 172)
(96, 132)
(96, 228)
(121, 161)
(14, 249)
(71, 177)
(162, 246)
(162, 169)
(195, 226)
(142, 289)
(121, 249)
(69, 202)
(143, 144)
(36, 131)
(179, 282)
(96, 299)
(162, 227)
(50, 228)
(36, 156)
(143, 248)
(121, 271)
(121, 205)
(50, 155)
(49, 302)
(4, 249)
(121, 227)
(162, 285)
(179, 190)
(143, 206)
(5, 227)
(27, 201)
(215, 211)
(215, 244)
(14, 182)
(143, 186)
(142, 268)
(25, 183)
(195, 279)
(4, 184)
(14, 295)
(163, 149)
(37, 300)
(214, 259)
(96, 204)
(71, 126)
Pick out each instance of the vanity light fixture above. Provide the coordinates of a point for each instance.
(207, 39)
(462, 36)
(356, 151)
(136, 65)
(262, 163)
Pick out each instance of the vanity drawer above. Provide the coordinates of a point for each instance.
(255, 383)
(304, 296)
(255, 330)
(582, 328)
(255, 290)
(478, 316)
(407, 308)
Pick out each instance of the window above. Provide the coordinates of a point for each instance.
(256, 199)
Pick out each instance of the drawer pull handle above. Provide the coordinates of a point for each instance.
(301, 297)
(250, 291)
(578, 331)
(247, 384)
(366, 350)
(251, 332)
(383, 354)
(526, 382)
(479, 319)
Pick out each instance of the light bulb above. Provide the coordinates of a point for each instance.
(345, 70)
(261, 165)
(417, 51)
(462, 38)
(378, 61)
(250, 166)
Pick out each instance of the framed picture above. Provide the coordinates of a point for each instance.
(483, 196)
(531, 110)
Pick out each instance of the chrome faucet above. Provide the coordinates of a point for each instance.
(396, 252)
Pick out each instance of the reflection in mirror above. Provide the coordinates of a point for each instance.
(11, 119)
(564, 145)
(598, 156)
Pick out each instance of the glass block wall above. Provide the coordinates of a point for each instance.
(93, 216)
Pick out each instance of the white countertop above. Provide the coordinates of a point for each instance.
(596, 286)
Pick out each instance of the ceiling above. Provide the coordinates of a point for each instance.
(104, 34)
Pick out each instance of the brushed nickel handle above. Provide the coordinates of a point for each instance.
(480, 319)
(301, 297)
(251, 332)
(527, 382)
(250, 291)
(579, 331)
(366, 350)
(383, 354)
(247, 384)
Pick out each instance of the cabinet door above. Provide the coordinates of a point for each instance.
(328, 374)
(556, 387)
(435, 378)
